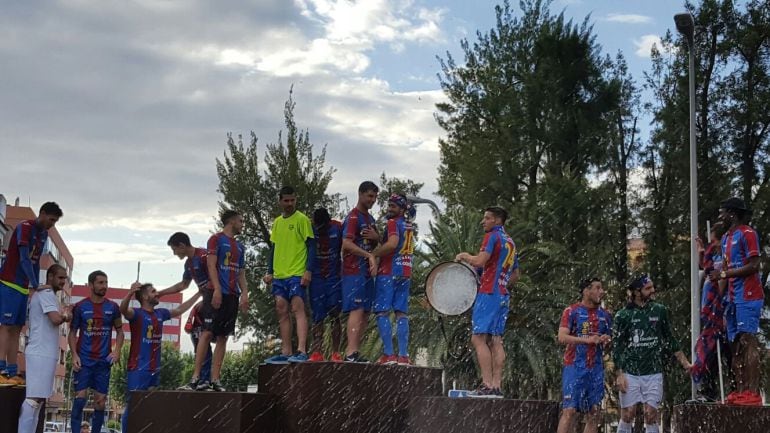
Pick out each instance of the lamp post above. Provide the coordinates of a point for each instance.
(685, 25)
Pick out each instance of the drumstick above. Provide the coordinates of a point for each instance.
(138, 268)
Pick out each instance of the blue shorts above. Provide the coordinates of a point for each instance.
(743, 318)
(288, 288)
(13, 306)
(325, 295)
(392, 294)
(582, 388)
(140, 380)
(490, 312)
(357, 293)
(94, 375)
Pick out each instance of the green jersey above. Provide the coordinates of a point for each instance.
(642, 339)
(289, 236)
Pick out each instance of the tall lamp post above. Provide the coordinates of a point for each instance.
(685, 25)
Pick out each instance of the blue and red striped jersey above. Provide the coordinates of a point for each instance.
(328, 250)
(26, 234)
(738, 246)
(354, 224)
(399, 262)
(195, 269)
(230, 259)
(93, 323)
(503, 260)
(712, 257)
(584, 322)
(146, 337)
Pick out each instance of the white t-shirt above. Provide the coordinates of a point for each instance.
(43, 334)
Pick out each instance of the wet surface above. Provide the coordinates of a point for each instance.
(716, 418)
(467, 415)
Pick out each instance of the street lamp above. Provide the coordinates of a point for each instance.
(685, 25)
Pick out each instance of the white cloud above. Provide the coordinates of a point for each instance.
(628, 18)
(646, 42)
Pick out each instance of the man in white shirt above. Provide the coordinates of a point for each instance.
(42, 352)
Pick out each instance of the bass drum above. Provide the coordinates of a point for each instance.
(451, 287)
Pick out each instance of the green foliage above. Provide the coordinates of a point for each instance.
(240, 368)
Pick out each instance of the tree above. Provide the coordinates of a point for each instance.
(252, 188)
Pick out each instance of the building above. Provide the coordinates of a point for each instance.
(54, 251)
(172, 329)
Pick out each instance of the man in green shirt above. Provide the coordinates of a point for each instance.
(642, 341)
(289, 272)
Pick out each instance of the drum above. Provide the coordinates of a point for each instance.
(451, 287)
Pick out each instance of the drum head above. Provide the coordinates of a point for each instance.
(451, 287)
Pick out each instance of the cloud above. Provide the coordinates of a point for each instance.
(628, 18)
(645, 43)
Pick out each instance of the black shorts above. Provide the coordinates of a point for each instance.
(221, 322)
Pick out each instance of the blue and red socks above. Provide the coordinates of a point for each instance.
(97, 419)
(386, 333)
(402, 333)
(77, 413)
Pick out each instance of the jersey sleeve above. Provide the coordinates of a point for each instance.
(488, 244)
(211, 246)
(751, 243)
(23, 234)
(392, 229)
(137, 314)
(307, 228)
(163, 314)
(76, 318)
(186, 275)
(608, 318)
(670, 343)
(48, 301)
(619, 341)
(566, 318)
(351, 226)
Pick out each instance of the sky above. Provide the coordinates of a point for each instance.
(117, 110)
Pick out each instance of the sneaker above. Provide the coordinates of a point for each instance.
(356, 357)
(748, 398)
(484, 392)
(336, 357)
(5, 381)
(277, 359)
(298, 358)
(17, 381)
(404, 360)
(498, 392)
(203, 385)
(387, 360)
(217, 387)
(190, 386)
(316, 357)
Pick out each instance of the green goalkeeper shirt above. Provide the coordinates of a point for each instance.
(642, 339)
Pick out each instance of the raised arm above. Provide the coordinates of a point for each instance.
(125, 310)
(186, 305)
(176, 288)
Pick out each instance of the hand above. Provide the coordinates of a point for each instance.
(135, 286)
(462, 257)
(268, 279)
(306, 278)
(373, 265)
(713, 276)
(371, 234)
(66, 316)
(216, 299)
(75, 362)
(699, 243)
(687, 367)
(605, 339)
(113, 357)
(621, 382)
(244, 304)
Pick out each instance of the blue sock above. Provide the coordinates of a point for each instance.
(12, 369)
(2, 365)
(386, 334)
(402, 333)
(77, 413)
(97, 419)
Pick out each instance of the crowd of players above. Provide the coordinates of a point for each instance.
(353, 268)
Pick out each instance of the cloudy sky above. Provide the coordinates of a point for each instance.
(118, 109)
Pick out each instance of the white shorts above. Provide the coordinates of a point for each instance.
(646, 389)
(40, 376)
